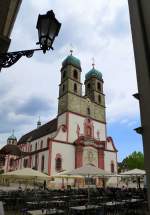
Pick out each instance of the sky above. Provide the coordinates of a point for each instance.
(98, 29)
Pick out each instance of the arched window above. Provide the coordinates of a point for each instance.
(75, 74)
(88, 111)
(58, 163)
(63, 87)
(25, 163)
(99, 86)
(11, 162)
(88, 86)
(36, 162)
(99, 99)
(42, 163)
(48, 139)
(41, 144)
(36, 147)
(112, 167)
(64, 74)
(75, 87)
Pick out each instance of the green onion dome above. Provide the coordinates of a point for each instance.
(71, 60)
(12, 137)
(93, 73)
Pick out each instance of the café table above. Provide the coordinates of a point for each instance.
(45, 212)
(84, 208)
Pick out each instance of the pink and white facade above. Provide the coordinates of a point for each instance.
(77, 136)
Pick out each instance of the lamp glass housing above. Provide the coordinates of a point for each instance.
(48, 28)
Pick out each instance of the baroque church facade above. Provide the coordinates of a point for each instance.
(78, 135)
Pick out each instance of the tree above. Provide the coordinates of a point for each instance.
(132, 161)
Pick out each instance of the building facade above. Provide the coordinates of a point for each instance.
(77, 136)
(140, 26)
(8, 12)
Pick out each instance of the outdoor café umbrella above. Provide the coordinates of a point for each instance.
(63, 175)
(88, 170)
(134, 172)
(25, 174)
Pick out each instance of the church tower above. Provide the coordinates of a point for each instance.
(94, 92)
(70, 88)
(94, 86)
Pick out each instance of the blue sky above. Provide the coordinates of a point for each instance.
(99, 29)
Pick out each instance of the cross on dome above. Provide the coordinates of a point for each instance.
(71, 48)
(93, 62)
(13, 131)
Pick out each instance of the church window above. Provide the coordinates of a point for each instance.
(36, 162)
(75, 74)
(75, 88)
(112, 167)
(11, 162)
(2, 160)
(48, 139)
(88, 111)
(41, 144)
(99, 86)
(64, 74)
(42, 163)
(58, 163)
(99, 99)
(63, 87)
(36, 147)
(25, 163)
(88, 86)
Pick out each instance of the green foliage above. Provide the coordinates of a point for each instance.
(134, 160)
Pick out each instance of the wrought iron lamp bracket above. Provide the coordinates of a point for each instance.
(10, 58)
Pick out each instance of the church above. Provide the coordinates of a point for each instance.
(78, 134)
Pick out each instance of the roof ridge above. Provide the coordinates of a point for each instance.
(43, 130)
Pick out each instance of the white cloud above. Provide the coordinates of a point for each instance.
(97, 29)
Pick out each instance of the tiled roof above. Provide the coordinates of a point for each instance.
(39, 132)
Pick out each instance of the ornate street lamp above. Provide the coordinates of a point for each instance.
(48, 28)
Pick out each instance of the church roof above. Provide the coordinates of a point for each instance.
(39, 132)
(70, 59)
(93, 73)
